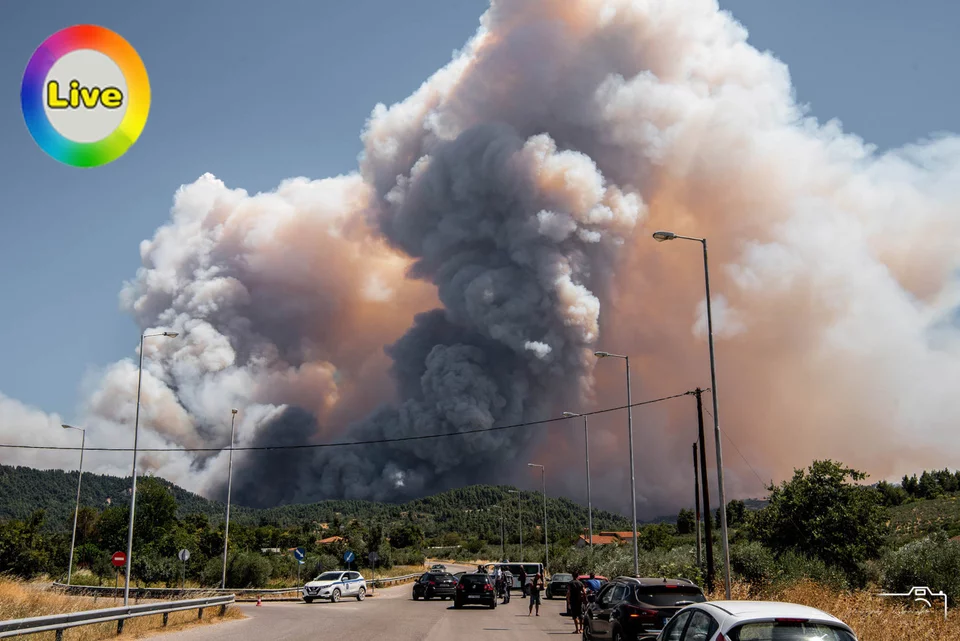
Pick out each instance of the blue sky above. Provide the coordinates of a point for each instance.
(258, 92)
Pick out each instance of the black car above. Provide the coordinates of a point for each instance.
(557, 585)
(435, 584)
(476, 588)
(635, 609)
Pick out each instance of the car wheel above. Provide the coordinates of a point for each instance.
(416, 597)
(335, 597)
(616, 636)
(361, 594)
(308, 599)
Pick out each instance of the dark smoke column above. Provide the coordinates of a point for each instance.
(513, 264)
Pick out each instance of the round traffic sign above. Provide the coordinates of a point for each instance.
(118, 559)
(184, 555)
(373, 556)
(348, 557)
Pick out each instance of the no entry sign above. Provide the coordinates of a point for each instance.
(118, 559)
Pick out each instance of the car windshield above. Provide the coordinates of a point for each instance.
(789, 631)
(664, 596)
(468, 579)
(531, 569)
(329, 576)
(562, 577)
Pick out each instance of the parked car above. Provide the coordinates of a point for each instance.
(475, 588)
(439, 566)
(435, 584)
(334, 585)
(756, 621)
(582, 578)
(637, 608)
(557, 585)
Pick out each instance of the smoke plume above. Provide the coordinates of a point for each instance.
(497, 232)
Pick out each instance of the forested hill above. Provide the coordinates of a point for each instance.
(24, 490)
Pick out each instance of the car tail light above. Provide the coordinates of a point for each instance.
(430, 583)
(459, 586)
(636, 613)
(720, 637)
(790, 620)
(487, 587)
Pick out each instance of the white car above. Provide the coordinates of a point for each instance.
(334, 585)
(754, 621)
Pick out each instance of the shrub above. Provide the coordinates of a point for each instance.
(753, 562)
(248, 570)
(933, 562)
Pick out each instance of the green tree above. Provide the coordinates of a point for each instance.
(156, 510)
(825, 514)
(891, 495)
(686, 522)
(407, 535)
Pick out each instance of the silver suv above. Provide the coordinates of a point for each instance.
(334, 585)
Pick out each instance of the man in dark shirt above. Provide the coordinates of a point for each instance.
(536, 586)
(576, 598)
(523, 581)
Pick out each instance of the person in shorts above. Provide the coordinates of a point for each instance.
(536, 587)
(576, 596)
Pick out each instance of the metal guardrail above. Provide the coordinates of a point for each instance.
(167, 593)
(60, 622)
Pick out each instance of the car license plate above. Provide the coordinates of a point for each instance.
(474, 596)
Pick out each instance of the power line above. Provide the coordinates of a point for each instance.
(303, 446)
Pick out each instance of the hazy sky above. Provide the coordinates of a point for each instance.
(258, 92)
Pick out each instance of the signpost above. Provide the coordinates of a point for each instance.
(299, 554)
(119, 559)
(349, 557)
(184, 556)
(373, 556)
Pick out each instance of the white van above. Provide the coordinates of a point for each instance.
(531, 570)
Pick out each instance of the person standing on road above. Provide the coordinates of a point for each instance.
(593, 583)
(523, 581)
(507, 583)
(535, 587)
(576, 597)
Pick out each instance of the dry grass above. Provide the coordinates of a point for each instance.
(872, 617)
(22, 600)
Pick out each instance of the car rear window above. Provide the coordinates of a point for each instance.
(561, 577)
(662, 596)
(468, 579)
(441, 576)
(789, 631)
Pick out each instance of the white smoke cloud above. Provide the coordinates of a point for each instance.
(518, 187)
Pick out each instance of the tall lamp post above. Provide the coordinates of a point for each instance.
(519, 521)
(546, 544)
(76, 511)
(503, 552)
(586, 448)
(133, 492)
(661, 236)
(633, 478)
(226, 529)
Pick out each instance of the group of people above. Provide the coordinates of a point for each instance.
(534, 588)
(577, 591)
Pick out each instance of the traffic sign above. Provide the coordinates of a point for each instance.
(118, 559)
(349, 557)
(299, 555)
(184, 555)
(373, 556)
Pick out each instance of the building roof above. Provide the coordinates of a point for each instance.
(600, 539)
(623, 536)
(330, 539)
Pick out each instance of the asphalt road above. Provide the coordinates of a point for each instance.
(392, 615)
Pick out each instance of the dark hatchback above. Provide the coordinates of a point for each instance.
(557, 586)
(475, 589)
(630, 609)
(435, 584)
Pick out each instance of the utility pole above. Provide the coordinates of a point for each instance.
(707, 518)
(696, 504)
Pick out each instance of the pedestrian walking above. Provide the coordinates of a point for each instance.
(576, 597)
(536, 586)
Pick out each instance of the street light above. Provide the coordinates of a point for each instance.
(76, 512)
(519, 521)
(133, 493)
(633, 478)
(226, 530)
(586, 447)
(661, 236)
(546, 544)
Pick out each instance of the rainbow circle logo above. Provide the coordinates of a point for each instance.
(85, 96)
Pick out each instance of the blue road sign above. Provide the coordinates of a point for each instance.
(349, 557)
(299, 553)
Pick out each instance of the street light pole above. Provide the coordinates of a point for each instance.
(503, 553)
(661, 236)
(519, 521)
(76, 511)
(546, 544)
(633, 478)
(133, 491)
(226, 529)
(586, 448)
